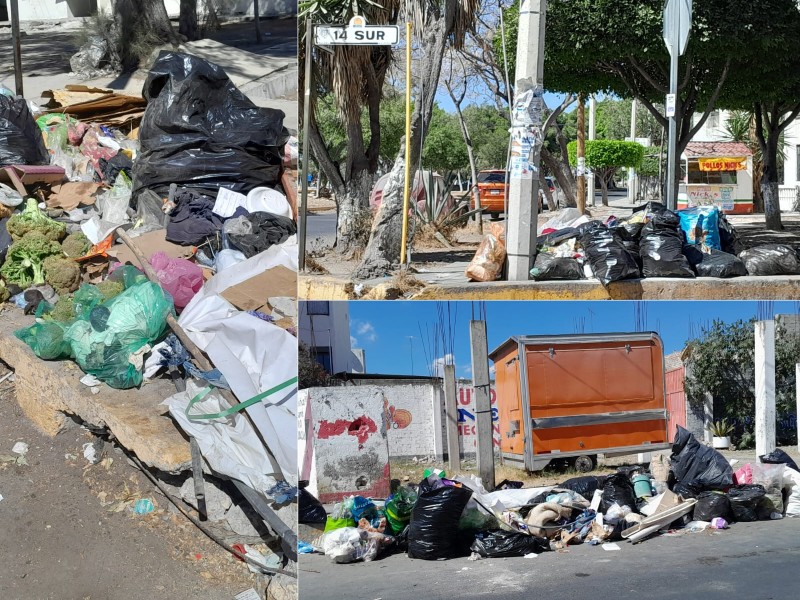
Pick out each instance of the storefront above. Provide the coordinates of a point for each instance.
(719, 173)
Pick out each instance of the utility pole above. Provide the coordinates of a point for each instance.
(592, 109)
(526, 141)
(581, 183)
(483, 403)
(451, 414)
(797, 394)
(631, 170)
(257, 19)
(13, 8)
(765, 386)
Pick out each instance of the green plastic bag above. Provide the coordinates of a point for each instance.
(398, 508)
(331, 524)
(46, 340)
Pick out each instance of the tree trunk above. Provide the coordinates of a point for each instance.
(556, 167)
(581, 155)
(604, 186)
(187, 23)
(383, 249)
(138, 20)
(351, 205)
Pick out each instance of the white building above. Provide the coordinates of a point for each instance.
(325, 329)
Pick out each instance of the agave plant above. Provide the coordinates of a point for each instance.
(441, 208)
(721, 428)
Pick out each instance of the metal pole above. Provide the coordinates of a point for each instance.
(592, 109)
(483, 403)
(797, 394)
(523, 188)
(672, 193)
(407, 183)
(306, 155)
(257, 19)
(13, 8)
(631, 170)
(581, 183)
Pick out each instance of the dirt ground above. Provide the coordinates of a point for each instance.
(67, 530)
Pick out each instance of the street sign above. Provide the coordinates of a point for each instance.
(677, 24)
(670, 104)
(357, 33)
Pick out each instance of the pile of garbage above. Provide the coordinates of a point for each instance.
(694, 490)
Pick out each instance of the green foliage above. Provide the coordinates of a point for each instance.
(606, 154)
(721, 428)
(723, 365)
(444, 148)
(310, 373)
(649, 166)
(613, 121)
(33, 219)
(25, 257)
(488, 130)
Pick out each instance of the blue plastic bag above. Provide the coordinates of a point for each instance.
(700, 225)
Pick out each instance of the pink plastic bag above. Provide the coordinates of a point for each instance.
(178, 276)
(744, 475)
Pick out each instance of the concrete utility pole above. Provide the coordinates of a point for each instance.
(451, 413)
(797, 393)
(592, 109)
(526, 140)
(483, 403)
(581, 183)
(13, 9)
(765, 387)
(631, 170)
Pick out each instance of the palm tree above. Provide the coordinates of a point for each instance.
(436, 24)
(353, 76)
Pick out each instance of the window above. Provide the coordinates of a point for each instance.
(316, 307)
(713, 119)
(322, 354)
(492, 177)
(710, 177)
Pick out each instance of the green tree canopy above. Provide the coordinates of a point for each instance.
(444, 148)
(604, 157)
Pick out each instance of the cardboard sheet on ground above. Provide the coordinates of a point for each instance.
(229, 445)
(72, 194)
(254, 293)
(254, 355)
(150, 243)
(99, 105)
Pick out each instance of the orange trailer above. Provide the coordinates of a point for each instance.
(576, 396)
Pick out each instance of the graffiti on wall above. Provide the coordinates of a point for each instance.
(466, 415)
(396, 418)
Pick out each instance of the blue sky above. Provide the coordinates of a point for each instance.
(390, 334)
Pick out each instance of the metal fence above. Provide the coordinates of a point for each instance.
(789, 198)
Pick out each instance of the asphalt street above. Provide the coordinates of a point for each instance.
(754, 561)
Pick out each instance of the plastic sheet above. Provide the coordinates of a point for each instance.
(487, 264)
(309, 509)
(549, 268)
(433, 533)
(711, 505)
(500, 544)
(21, 141)
(350, 544)
(265, 230)
(771, 259)
(698, 465)
(200, 131)
(181, 278)
(771, 477)
(607, 256)
(618, 489)
(716, 263)
(779, 457)
(749, 503)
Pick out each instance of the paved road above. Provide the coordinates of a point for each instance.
(321, 226)
(755, 561)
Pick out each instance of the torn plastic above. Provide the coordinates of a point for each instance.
(700, 226)
(179, 277)
(698, 465)
(487, 264)
(501, 544)
(21, 141)
(549, 267)
(771, 259)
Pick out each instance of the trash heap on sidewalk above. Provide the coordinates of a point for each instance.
(155, 237)
(694, 490)
(653, 242)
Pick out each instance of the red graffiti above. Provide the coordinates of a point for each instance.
(361, 428)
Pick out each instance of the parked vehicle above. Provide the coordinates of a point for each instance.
(576, 396)
(492, 192)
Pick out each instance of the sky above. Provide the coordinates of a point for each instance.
(392, 333)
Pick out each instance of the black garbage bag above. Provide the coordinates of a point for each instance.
(618, 489)
(607, 256)
(779, 457)
(433, 532)
(711, 505)
(728, 236)
(555, 238)
(662, 219)
(309, 509)
(749, 502)
(500, 544)
(585, 486)
(549, 268)
(21, 140)
(633, 231)
(687, 490)
(200, 131)
(698, 465)
(589, 226)
(771, 259)
(265, 230)
(715, 264)
(661, 249)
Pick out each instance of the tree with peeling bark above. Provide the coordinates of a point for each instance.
(354, 77)
(731, 40)
(436, 25)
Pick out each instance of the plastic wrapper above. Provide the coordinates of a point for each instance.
(332, 523)
(433, 532)
(716, 263)
(711, 505)
(694, 463)
(770, 476)
(181, 278)
(398, 508)
(487, 264)
(200, 131)
(265, 230)
(501, 543)
(771, 259)
(607, 256)
(779, 457)
(309, 509)
(791, 480)
(557, 237)
(362, 508)
(548, 267)
(21, 141)
(749, 503)
(618, 489)
(114, 203)
(350, 544)
(585, 486)
(700, 226)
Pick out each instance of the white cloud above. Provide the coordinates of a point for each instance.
(365, 330)
(439, 363)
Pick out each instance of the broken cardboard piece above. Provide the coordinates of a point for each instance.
(151, 242)
(254, 293)
(21, 175)
(72, 194)
(99, 105)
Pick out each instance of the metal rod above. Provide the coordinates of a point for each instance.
(15, 43)
(406, 185)
(306, 156)
(257, 19)
(673, 124)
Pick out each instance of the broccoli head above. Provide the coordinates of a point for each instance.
(4, 293)
(110, 288)
(76, 245)
(64, 309)
(34, 220)
(64, 274)
(24, 260)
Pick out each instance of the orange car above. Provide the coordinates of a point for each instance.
(492, 190)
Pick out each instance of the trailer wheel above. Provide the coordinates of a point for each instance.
(585, 463)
